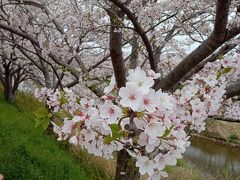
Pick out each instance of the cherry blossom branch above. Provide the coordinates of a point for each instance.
(222, 51)
(98, 63)
(38, 49)
(214, 41)
(140, 31)
(134, 52)
(59, 29)
(19, 33)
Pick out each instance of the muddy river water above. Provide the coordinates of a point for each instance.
(214, 158)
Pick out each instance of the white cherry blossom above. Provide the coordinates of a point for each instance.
(139, 80)
(155, 129)
(85, 103)
(149, 102)
(152, 74)
(69, 126)
(111, 85)
(110, 112)
(131, 97)
(145, 165)
(211, 80)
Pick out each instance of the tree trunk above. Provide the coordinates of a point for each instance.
(134, 57)
(9, 92)
(126, 168)
(9, 95)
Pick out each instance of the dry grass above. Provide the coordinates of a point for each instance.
(183, 171)
(101, 165)
(186, 172)
(1, 177)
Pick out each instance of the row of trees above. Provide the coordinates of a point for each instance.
(69, 43)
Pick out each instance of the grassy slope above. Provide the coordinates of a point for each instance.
(26, 153)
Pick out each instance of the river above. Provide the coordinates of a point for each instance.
(214, 158)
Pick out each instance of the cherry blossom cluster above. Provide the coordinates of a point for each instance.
(153, 126)
(203, 95)
(231, 109)
(51, 97)
(135, 117)
(56, 99)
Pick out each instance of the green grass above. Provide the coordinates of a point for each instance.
(28, 153)
(232, 138)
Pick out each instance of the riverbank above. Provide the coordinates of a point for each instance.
(222, 132)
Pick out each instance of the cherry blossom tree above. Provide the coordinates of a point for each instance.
(146, 114)
(12, 71)
(152, 127)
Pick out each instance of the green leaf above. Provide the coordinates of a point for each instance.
(219, 74)
(42, 118)
(180, 86)
(108, 139)
(140, 115)
(37, 123)
(45, 123)
(63, 113)
(227, 70)
(223, 71)
(115, 128)
(63, 99)
(41, 112)
(117, 133)
(167, 132)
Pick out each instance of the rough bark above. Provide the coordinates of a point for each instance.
(10, 77)
(126, 168)
(9, 95)
(134, 54)
(233, 89)
(115, 45)
(140, 31)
